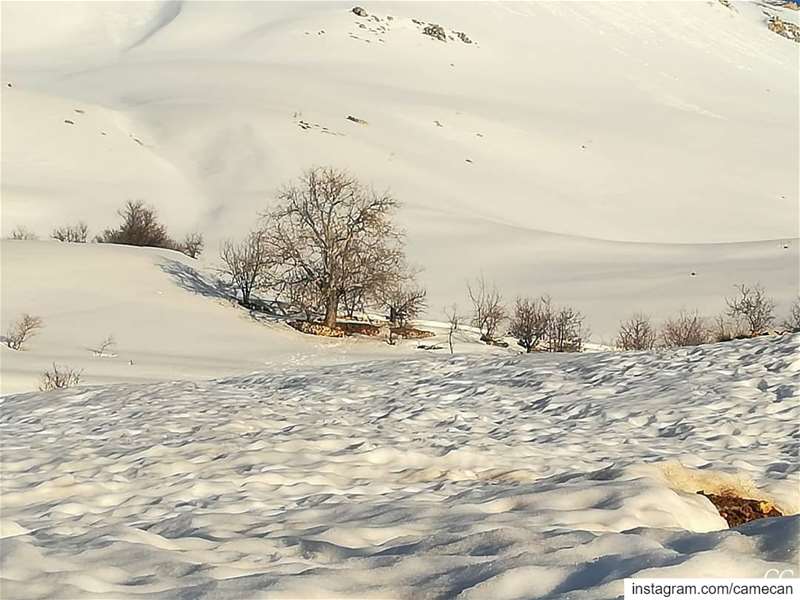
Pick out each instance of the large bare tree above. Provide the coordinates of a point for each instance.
(335, 236)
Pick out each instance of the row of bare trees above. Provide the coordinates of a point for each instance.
(749, 312)
(536, 323)
(139, 226)
(328, 247)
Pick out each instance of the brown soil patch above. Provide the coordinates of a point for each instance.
(738, 511)
(410, 333)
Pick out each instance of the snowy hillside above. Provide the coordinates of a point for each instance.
(558, 126)
(438, 477)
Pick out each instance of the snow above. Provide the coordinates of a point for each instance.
(503, 477)
(610, 143)
(620, 156)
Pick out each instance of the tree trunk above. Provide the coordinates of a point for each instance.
(331, 306)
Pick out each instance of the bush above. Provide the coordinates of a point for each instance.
(22, 233)
(792, 322)
(21, 331)
(71, 233)
(753, 306)
(192, 245)
(488, 311)
(531, 321)
(566, 332)
(58, 378)
(636, 333)
(245, 264)
(139, 227)
(686, 329)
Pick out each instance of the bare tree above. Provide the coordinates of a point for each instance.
(59, 377)
(192, 245)
(454, 320)
(488, 311)
(246, 264)
(566, 332)
(530, 321)
(336, 235)
(22, 233)
(792, 322)
(107, 344)
(404, 303)
(688, 328)
(139, 227)
(636, 333)
(71, 233)
(21, 331)
(754, 306)
(726, 328)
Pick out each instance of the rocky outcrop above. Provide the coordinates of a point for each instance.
(784, 28)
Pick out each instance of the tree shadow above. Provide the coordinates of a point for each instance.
(191, 280)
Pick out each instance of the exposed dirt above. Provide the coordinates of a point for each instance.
(738, 511)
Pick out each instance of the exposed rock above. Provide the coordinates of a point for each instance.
(783, 28)
(356, 120)
(68, 122)
(435, 31)
(359, 11)
(463, 37)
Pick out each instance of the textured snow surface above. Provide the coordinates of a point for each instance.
(486, 477)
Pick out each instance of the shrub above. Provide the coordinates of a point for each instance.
(792, 322)
(488, 311)
(566, 332)
(139, 227)
(71, 233)
(753, 306)
(686, 329)
(636, 333)
(245, 264)
(22, 233)
(57, 378)
(531, 321)
(192, 245)
(21, 331)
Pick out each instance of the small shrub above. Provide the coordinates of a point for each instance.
(71, 233)
(531, 321)
(21, 331)
(59, 377)
(636, 333)
(488, 311)
(686, 329)
(104, 348)
(139, 227)
(753, 306)
(566, 332)
(22, 233)
(792, 322)
(192, 245)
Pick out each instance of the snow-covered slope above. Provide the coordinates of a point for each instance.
(490, 478)
(653, 122)
(171, 320)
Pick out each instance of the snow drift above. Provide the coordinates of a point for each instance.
(482, 477)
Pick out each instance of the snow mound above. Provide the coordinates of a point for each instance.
(500, 477)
